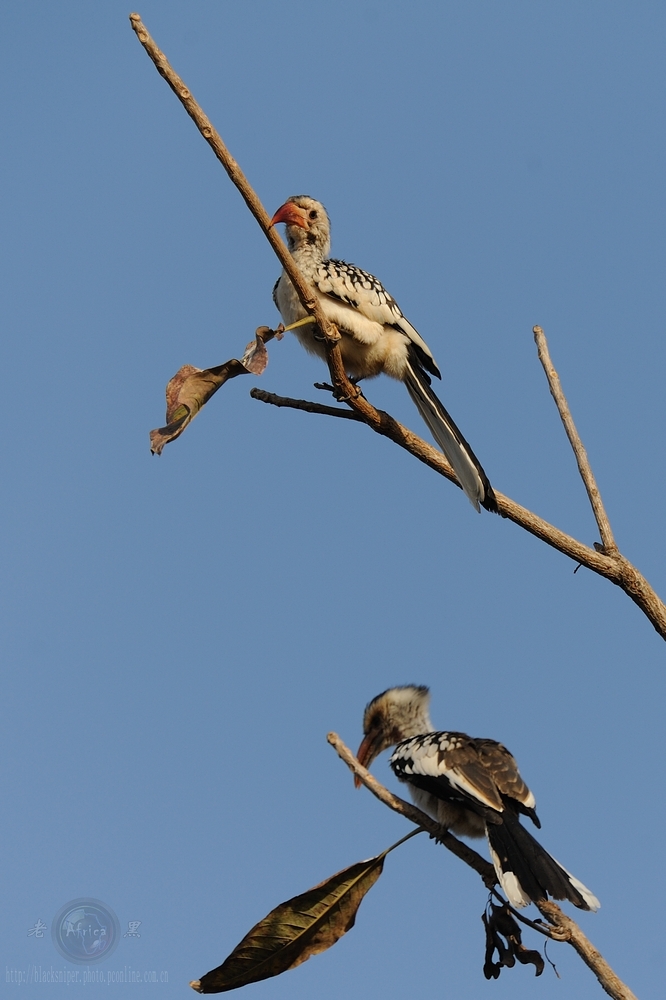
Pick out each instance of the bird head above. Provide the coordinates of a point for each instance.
(307, 223)
(393, 716)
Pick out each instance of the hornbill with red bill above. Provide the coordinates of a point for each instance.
(376, 338)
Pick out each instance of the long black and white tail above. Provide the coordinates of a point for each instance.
(527, 872)
(466, 465)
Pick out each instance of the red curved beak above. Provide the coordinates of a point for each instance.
(291, 214)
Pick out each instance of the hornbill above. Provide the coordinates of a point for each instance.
(376, 337)
(472, 787)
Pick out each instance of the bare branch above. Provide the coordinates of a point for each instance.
(582, 460)
(572, 933)
(195, 111)
(536, 925)
(304, 404)
(615, 568)
(609, 563)
(563, 927)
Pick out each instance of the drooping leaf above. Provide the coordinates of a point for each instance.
(297, 929)
(191, 388)
(504, 936)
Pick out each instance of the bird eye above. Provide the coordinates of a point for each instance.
(313, 213)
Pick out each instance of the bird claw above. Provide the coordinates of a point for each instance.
(338, 395)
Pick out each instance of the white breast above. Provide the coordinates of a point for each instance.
(368, 348)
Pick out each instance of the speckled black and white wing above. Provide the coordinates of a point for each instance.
(359, 304)
(502, 766)
(447, 765)
(473, 786)
(366, 294)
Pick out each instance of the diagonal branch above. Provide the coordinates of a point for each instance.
(610, 563)
(582, 460)
(304, 290)
(615, 568)
(562, 926)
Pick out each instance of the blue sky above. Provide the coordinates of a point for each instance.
(180, 633)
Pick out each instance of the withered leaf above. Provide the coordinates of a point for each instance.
(191, 388)
(527, 956)
(500, 924)
(296, 930)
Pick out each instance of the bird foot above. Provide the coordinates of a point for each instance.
(338, 395)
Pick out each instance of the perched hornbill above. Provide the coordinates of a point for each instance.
(376, 337)
(472, 787)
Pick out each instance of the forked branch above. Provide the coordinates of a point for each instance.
(607, 561)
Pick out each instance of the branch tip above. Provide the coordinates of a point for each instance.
(608, 542)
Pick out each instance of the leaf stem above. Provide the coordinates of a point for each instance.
(402, 840)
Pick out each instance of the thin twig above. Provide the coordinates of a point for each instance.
(565, 929)
(607, 540)
(304, 404)
(615, 567)
(536, 925)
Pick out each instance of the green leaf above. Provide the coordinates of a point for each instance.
(297, 929)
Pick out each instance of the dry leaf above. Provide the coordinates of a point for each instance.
(191, 388)
(504, 936)
(296, 930)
